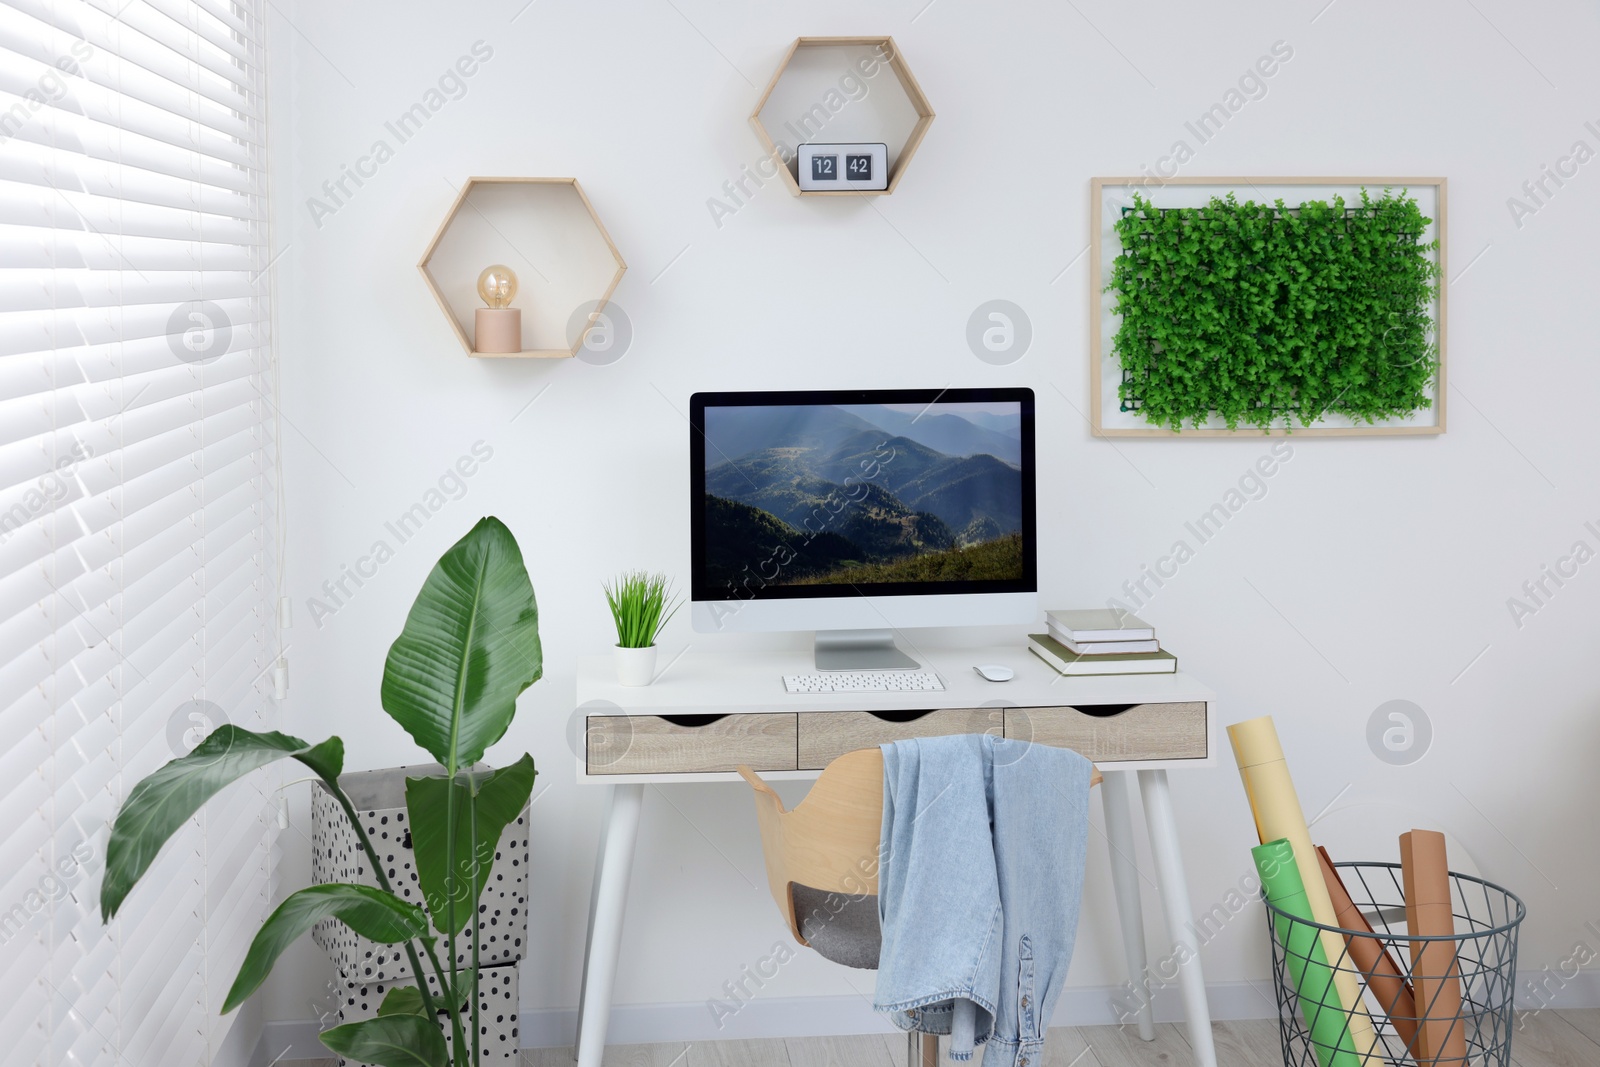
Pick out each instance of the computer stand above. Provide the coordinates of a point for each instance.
(860, 650)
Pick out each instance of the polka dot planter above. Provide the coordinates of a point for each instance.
(497, 1012)
(336, 856)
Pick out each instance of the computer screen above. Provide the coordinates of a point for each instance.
(851, 494)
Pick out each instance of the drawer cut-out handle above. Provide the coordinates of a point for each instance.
(692, 720)
(900, 716)
(1103, 711)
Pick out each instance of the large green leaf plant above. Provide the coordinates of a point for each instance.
(469, 647)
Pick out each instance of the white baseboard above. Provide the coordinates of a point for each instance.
(1551, 989)
(640, 1024)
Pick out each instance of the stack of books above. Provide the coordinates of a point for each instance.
(1101, 641)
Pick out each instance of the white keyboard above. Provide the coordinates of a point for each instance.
(864, 682)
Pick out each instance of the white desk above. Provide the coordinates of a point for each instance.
(707, 713)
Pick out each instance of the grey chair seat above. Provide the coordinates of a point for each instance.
(840, 927)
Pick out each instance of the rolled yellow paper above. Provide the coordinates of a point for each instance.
(1277, 811)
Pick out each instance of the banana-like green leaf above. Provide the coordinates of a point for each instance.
(470, 645)
(372, 913)
(398, 1040)
(164, 801)
(402, 1000)
(485, 803)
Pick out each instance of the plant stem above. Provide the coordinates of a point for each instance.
(455, 1020)
(383, 884)
(477, 975)
(450, 916)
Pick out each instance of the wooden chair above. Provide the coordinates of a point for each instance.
(822, 857)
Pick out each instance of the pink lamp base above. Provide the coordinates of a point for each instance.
(497, 330)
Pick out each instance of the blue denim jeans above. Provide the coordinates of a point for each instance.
(979, 882)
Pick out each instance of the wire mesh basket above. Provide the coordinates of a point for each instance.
(1443, 1001)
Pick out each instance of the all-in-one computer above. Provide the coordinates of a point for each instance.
(859, 513)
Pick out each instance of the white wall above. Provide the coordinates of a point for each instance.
(1372, 570)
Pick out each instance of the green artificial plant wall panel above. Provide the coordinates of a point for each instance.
(1289, 314)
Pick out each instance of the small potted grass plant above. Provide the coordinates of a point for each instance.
(641, 604)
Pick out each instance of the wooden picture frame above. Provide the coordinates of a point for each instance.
(1103, 371)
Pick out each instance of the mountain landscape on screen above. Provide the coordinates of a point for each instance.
(852, 494)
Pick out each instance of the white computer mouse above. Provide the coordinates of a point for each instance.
(995, 672)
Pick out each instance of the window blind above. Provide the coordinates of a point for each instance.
(138, 511)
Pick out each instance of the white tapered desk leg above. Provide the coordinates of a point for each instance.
(608, 900)
(1179, 913)
(1125, 881)
(594, 899)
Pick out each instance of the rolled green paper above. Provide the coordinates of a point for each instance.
(1302, 949)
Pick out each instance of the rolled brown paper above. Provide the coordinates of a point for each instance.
(1384, 977)
(1435, 974)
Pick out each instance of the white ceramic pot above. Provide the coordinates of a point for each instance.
(635, 666)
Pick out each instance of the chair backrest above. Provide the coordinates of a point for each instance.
(830, 840)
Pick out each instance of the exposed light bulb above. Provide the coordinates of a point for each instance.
(497, 285)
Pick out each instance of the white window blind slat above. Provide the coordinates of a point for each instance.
(151, 568)
(150, 950)
(135, 31)
(116, 370)
(240, 846)
(239, 675)
(87, 567)
(147, 102)
(168, 26)
(154, 1039)
(27, 1000)
(136, 443)
(49, 209)
(140, 189)
(229, 609)
(141, 925)
(90, 328)
(79, 1037)
(100, 153)
(93, 599)
(138, 529)
(19, 767)
(32, 833)
(24, 998)
(224, 15)
(23, 926)
(236, 834)
(215, 22)
(231, 903)
(37, 294)
(153, 635)
(85, 809)
(88, 249)
(145, 135)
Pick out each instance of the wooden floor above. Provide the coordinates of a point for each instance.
(1548, 1039)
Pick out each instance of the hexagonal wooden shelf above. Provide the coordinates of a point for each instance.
(546, 231)
(810, 97)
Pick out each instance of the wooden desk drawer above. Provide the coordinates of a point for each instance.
(825, 735)
(1142, 732)
(648, 744)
